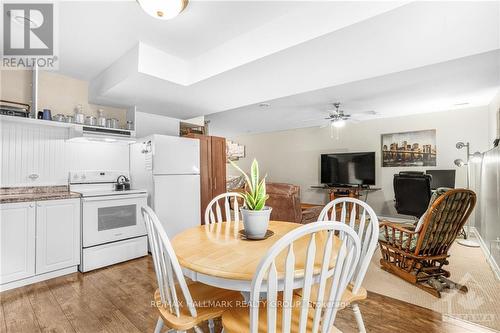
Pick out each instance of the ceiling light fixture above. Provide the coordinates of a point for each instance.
(264, 105)
(163, 9)
(338, 123)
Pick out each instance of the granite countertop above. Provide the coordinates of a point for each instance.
(35, 193)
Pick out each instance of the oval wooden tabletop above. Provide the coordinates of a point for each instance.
(219, 251)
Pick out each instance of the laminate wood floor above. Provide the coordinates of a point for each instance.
(118, 299)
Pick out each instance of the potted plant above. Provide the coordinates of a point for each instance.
(255, 213)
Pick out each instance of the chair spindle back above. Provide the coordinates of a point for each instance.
(347, 256)
(214, 213)
(444, 220)
(167, 267)
(354, 213)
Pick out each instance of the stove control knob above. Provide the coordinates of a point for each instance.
(83, 177)
(75, 176)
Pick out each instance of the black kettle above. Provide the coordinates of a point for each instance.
(122, 183)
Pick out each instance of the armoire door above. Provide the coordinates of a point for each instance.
(218, 165)
(205, 173)
(212, 168)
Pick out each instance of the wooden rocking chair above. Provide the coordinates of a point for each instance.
(418, 254)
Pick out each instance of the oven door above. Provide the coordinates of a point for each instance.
(111, 218)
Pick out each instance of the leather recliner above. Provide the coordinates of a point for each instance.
(285, 202)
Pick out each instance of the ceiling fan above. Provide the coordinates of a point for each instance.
(336, 117)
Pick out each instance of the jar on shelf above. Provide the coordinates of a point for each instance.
(101, 118)
(79, 116)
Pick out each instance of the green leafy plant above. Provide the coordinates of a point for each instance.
(255, 195)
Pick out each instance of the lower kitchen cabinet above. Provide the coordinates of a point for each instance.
(39, 240)
(17, 241)
(57, 234)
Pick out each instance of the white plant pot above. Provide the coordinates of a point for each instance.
(256, 222)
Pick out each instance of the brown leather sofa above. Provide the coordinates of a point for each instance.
(285, 202)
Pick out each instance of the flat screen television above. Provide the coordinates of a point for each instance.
(348, 169)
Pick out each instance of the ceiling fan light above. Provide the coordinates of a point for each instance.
(338, 123)
(163, 9)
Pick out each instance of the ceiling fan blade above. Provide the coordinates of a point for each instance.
(310, 119)
(366, 114)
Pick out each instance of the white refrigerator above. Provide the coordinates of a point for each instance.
(169, 168)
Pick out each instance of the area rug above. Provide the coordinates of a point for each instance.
(468, 266)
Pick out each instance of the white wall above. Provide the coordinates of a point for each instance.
(16, 86)
(494, 119)
(98, 156)
(32, 150)
(293, 156)
(45, 151)
(147, 124)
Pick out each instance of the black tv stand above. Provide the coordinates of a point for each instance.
(338, 191)
(351, 191)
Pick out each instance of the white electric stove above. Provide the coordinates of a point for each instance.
(112, 226)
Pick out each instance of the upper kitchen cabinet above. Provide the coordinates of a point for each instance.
(17, 241)
(57, 234)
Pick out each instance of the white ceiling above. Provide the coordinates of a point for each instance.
(94, 34)
(466, 82)
(231, 55)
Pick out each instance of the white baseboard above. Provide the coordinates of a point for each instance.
(489, 258)
(38, 278)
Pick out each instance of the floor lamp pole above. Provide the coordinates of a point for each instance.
(467, 241)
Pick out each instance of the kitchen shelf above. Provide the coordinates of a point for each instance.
(36, 122)
(78, 132)
(53, 123)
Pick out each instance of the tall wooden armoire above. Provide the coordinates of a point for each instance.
(212, 168)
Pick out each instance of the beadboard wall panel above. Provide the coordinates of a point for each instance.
(33, 150)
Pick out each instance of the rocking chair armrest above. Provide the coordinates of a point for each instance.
(397, 226)
(401, 239)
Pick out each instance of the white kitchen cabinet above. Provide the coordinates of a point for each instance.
(57, 234)
(17, 241)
